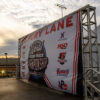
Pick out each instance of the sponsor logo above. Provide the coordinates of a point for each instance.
(62, 36)
(23, 67)
(62, 46)
(61, 58)
(38, 64)
(37, 60)
(62, 72)
(23, 62)
(62, 85)
(23, 54)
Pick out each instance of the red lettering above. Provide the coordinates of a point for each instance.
(47, 32)
(62, 46)
(31, 37)
(58, 71)
(35, 35)
(63, 55)
(62, 71)
(69, 21)
(40, 32)
(53, 28)
(60, 25)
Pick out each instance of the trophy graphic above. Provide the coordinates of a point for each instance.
(37, 60)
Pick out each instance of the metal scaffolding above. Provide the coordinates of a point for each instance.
(90, 52)
(90, 58)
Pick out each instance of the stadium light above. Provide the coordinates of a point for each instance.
(62, 7)
(6, 62)
(3, 71)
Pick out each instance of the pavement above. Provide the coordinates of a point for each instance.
(12, 89)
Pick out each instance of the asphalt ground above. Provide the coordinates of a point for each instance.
(12, 89)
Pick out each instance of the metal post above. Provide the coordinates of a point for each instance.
(97, 50)
(18, 66)
(6, 63)
(90, 49)
(84, 77)
(62, 11)
(62, 7)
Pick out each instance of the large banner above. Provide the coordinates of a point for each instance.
(52, 53)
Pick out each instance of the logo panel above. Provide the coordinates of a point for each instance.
(61, 58)
(37, 60)
(62, 72)
(62, 46)
(62, 85)
(62, 36)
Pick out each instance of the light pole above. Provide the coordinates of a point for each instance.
(62, 7)
(6, 63)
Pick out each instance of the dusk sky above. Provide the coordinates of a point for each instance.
(20, 17)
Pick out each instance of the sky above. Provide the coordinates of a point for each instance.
(21, 17)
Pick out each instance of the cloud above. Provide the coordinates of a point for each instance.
(12, 29)
(11, 47)
(18, 18)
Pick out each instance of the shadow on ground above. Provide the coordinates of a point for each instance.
(12, 89)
